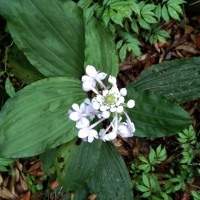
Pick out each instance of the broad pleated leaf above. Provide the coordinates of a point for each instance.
(177, 80)
(50, 33)
(36, 118)
(100, 50)
(75, 163)
(155, 116)
(21, 67)
(111, 179)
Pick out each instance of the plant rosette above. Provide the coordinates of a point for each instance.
(108, 104)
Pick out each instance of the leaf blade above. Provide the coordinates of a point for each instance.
(51, 50)
(177, 80)
(100, 48)
(35, 119)
(155, 116)
(110, 179)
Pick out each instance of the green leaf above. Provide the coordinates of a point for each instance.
(122, 52)
(155, 116)
(6, 161)
(146, 194)
(9, 88)
(122, 8)
(161, 38)
(50, 35)
(143, 159)
(84, 4)
(75, 163)
(142, 188)
(134, 26)
(143, 23)
(116, 17)
(47, 161)
(158, 11)
(162, 33)
(165, 14)
(2, 73)
(100, 48)
(111, 179)
(176, 7)
(149, 18)
(36, 118)
(135, 8)
(21, 67)
(152, 156)
(173, 13)
(177, 80)
(145, 180)
(148, 8)
(106, 16)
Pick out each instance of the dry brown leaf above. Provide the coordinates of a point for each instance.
(34, 167)
(188, 29)
(1, 179)
(92, 197)
(198, 41)
(123, 67)
(6, 193)
(19, 165)
(187, 48)
(23, 184)
(16, 174)
(26, 196)
(5, 181)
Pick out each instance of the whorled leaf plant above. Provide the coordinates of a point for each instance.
(60, 44)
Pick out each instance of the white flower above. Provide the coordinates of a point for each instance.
(106, 114)
(88, 133)
(108, 104)
(112, 80)
(82, 123)
(123, 92)
(92, 72)
(110, 136)
(130, 103)
(79, 111)
(93, 76)
(126, 129)
(107, 137)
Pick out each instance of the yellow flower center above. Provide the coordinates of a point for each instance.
(109, 99)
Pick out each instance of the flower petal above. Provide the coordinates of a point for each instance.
(123, 91)
(91, 71)
(130, 103)
(101, 76)
(83, 123)
(93, 134)
(75, 107)
(83, 133)
(74, 116)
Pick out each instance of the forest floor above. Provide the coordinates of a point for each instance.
(183, 43)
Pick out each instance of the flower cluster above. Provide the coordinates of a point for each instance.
(107, 104)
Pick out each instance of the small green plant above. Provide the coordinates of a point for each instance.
(5, 163)
(10, 90)
(195, 195)
(33, 183)
(133, 17)
(176, 176)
